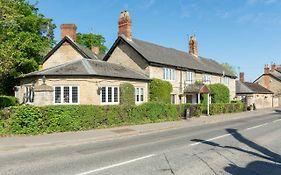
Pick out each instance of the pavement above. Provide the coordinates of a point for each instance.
(242, 143)
(78, 137)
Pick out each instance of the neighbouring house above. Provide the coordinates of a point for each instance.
(73, 74)
(254, 94)
(180, 68)
(271, 79)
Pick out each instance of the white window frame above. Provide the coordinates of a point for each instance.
(226, 80)
(169, 74)
(62, 94)
(112, 96)
(138, 93)
(189, 77)
(29, 95)
(206, 79)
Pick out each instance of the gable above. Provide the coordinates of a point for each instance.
(123, 54)
(63, 54)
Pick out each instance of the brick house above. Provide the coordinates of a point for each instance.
(73, 74)
(271, 79)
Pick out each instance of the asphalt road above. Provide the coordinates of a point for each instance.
(249, 146)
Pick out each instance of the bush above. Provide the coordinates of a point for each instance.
(196, 110)
(6, 101)
(160, 91)
(221, 108)
(220, 93)
(181, 109)
(28, 119)
(127, 94)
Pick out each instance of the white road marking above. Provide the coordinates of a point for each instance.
(116, 165)
(254, 127)
(215, 138)
(276, 121)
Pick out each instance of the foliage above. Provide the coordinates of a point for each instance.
(89, 40)
(221, 108)
(196, 110)
(127, 94)
(229, 68)
(160, 91)
(25, 35)
(181, 109)
(6, 101)
(28, 119)
(220, 93)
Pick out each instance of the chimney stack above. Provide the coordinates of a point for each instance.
(273, 67)
(69, 30)
(241, 77)
(266, 79)
(96, 50)
(193, 50)
(125, 25)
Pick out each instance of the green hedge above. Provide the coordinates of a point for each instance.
(220, 93)
(221, 108)
(6, 101)
(26, 119)
(160, 91)
(127, 94)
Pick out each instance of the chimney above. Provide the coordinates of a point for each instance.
(193, 50)
(69, 30)
(273, 67)
(266, 79)
(125, 25)
(96, 50)
(241, 77)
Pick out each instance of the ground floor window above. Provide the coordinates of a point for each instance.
(173, 98)
(139, 95)
(109, 95)
(66, 94)
(29, 94)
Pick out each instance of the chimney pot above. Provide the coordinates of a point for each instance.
(125, 25)
(69, 30)
(242, 77)
(193, 50)
(273, 67)
(266, 69)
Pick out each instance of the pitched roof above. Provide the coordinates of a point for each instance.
(275, 74)
(88, 67)
(250, 88)
(85, 52)
(156, 54)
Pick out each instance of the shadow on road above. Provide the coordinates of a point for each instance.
(271, 167)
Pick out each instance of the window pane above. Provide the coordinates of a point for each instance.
(65, 94)
(109, 94)
(115, 94)
(74, 94)
(57, 95)
(141, 94)
(103, 96)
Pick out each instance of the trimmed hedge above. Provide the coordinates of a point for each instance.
(221, 108)
(26, 119)
(160, 91)
(220, 93)
(6, 101)
(127, 94)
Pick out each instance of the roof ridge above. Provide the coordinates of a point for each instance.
(88, 67)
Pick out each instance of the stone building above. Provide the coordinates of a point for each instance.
(73, 74)
(254, 94)
(271, 79)
(179, 68)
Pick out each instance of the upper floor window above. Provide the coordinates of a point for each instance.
(109, 95)
(189, 78)
(206, 79)
(66, 94)
(226, 80)
(169, 74)
(139, 95)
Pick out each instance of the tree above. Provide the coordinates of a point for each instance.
(25, 36)
(89, 40)
(229, 68)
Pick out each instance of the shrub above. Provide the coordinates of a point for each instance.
(181, 109)
(6, 101)
(127, 94)
(160, 91)
(27, 119)
(220, 93)
(196, 110)
(220, 108)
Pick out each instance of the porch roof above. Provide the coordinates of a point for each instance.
(196, 89)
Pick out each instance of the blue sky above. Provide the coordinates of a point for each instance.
(243, 33)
